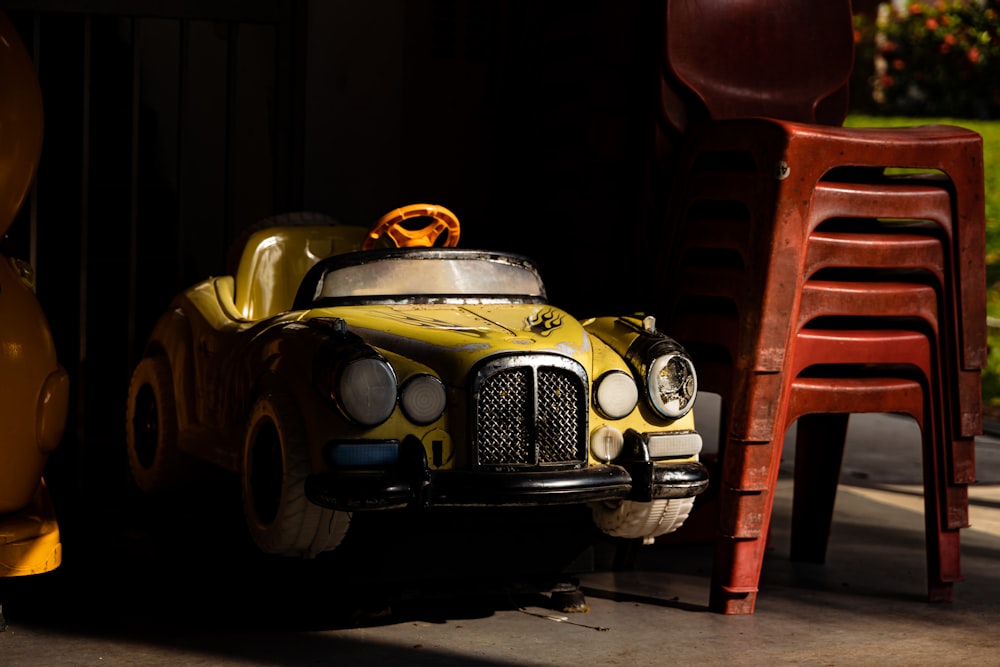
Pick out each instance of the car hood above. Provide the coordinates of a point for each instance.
(451, 338)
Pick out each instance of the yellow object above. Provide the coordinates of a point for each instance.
(27, 358)
(34, 389)
(29, 538)
(20, 123)
(276, 259)
(331, 382)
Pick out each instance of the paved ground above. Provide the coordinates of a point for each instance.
(160, 596)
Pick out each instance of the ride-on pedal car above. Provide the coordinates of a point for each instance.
(335, 376)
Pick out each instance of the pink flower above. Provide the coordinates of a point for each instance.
(916, 8)
(932, 24)
(974, 54)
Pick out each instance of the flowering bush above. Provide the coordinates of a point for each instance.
(938, 58)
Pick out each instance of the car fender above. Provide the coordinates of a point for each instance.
(172, 337)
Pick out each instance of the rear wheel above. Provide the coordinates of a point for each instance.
(632, 520)
(154, 459)
(280, 518)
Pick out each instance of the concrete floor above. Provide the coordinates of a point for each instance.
(193, 603)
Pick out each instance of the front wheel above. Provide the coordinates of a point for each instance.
(281, 520)
(632, 520)
(154, 459)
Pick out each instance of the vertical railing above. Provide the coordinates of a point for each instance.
(111, 233)
(81, 365)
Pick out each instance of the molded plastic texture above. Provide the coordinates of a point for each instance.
(808, 279)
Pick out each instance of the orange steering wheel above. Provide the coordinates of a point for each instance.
(391, 225)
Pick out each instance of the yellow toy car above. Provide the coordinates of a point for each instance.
(334, 376)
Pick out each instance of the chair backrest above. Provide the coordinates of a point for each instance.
(787, 59)
(275, 260)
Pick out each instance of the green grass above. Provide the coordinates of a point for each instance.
(990, 131)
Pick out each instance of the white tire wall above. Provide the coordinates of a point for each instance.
(632, 520)
(155, 461)
(281, 520)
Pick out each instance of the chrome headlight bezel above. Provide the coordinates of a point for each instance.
(615, 394)
(652, 352)
(671, 384)
(366, 390)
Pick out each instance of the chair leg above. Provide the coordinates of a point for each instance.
(735, 574)
(749, 473)
(943, 551)
(941, 499)
(819, 451)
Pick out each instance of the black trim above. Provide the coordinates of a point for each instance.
(653, 480)
(530, 488)
(358, 490)
(398, 487)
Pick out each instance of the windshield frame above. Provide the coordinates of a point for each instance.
(310, 292)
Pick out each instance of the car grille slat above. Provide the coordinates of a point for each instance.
(558, 415)
(505, 437)
(530, 411)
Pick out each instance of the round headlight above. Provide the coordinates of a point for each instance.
(672, 385)
(606, 443)
(366, 389)
(423, 399)
(616, 394)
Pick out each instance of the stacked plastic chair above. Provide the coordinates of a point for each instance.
(808, 281)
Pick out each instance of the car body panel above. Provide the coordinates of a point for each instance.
(448, 339)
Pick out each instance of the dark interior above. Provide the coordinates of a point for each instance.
(172, 126)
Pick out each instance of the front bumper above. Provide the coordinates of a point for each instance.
(399, 486)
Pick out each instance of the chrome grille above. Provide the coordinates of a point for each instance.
(530, 411)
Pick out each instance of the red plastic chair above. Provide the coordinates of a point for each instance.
(772, 58)
(781, 224)
(889, 371)
(787, 170)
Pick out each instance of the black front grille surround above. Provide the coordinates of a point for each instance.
(530, 411)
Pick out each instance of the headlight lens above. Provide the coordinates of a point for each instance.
(423, 399)
(366, 390)
(616, 394)
(606, 443)
(672, 385)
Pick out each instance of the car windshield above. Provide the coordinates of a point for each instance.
(436, 275)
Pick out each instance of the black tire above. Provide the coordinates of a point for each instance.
(293, 219)
(156, 463)
(281, 520)
(632, 520)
